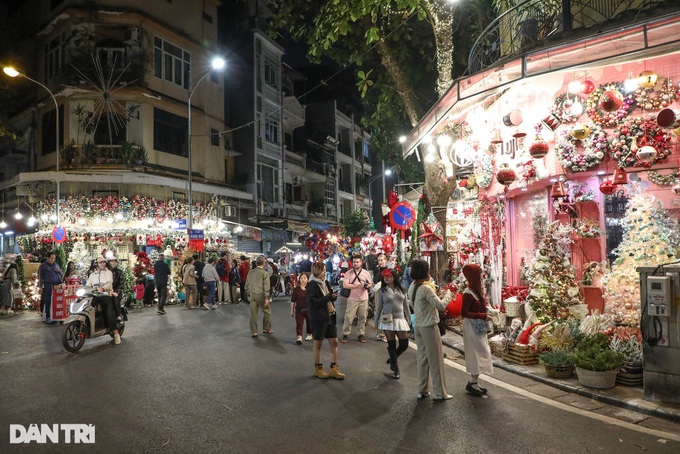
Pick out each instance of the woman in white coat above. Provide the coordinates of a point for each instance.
(477, 352)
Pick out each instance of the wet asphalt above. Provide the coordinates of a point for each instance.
(196, 382)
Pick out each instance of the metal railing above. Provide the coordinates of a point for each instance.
(531, 23)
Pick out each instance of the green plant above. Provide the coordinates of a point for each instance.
(555, 358)
(355, 224)
(60, 257)
(128, 281)
(593, 353)
(89, 153)
(560, 338)
(630, 348)
(128, 152)
(141, 155)
(68, 152)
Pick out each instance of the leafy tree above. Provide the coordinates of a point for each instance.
(355, 224)
(60, 257)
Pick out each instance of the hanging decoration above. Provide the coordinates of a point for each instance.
(505, 175)
(578, 155)
(647, 78)
(484, 170)
(655, 99)
(607, 106)
(563, 109)
(431, 238)
(663, 180)
(539, 147)
(607, 187)
(639, 132)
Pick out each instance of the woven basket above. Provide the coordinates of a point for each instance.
(559, 371)
(511, 309)
(497, 348)
(596, 379)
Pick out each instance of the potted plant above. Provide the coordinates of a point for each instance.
(557, 364)
(628, 342)
(596, 364)
(68, 153)
(128, 152)
(141, 157)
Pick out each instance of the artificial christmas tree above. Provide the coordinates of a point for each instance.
(128, 281)
(552, 281)
(649, 239)
(143, 266)
(81, 257)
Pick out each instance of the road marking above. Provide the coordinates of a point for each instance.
(563, 406)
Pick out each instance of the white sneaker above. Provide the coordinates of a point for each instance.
(309, 337)
(214, 307)
(206, 306)
(116, 338)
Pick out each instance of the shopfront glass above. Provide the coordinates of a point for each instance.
(530, 220)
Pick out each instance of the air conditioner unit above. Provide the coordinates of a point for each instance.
(133, 36)
(229, 211)
(263, 209)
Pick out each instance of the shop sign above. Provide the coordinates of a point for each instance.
(302, 227)
(253, 232)
(179, 224)
(197, 239)
(323, 226)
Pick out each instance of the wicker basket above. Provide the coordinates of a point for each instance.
(497, 348)
(597, 379)
(512, 309)
(559, 371)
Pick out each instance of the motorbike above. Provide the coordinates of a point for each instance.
(86, 321)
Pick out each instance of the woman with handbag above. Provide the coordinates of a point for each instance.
(393, 316)
(477, 352)
(300, 309)
(426, 306)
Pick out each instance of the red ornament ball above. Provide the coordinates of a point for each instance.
(607, 187)
(538, 149)
(611, 101)
(587, 87)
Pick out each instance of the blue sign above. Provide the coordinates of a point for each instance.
(196, 235)
(319, 225)
(179, 224)
(402, 216)
(58, 234)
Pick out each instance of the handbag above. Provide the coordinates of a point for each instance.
(344, 292)
(386, 318)
(442, 325)
(480, 326)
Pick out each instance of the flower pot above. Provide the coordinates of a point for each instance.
(564, 371)
(597, 379)
(631, 374)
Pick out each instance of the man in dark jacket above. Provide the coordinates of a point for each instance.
(200, 282)
(49, 276)
(161, 272)
(118, 282)
(370, 262)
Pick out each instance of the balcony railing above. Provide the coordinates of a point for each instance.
(531, 23)
(317, 167)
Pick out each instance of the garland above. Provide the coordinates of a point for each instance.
(562, 108)
(646, 132)
(484, 171)
(610, 119)
(657, 99)
(663, 180)
(587, 228)
(590, 153)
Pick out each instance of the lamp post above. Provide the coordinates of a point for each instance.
(11, 72)
(216, 64)
(387, 172)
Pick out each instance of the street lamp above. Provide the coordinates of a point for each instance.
(11, 72)
(217, 63)
(387, 172)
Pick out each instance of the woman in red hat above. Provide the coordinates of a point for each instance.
(477, 352)
(393, 316)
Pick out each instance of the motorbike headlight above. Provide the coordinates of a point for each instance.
(80, 292)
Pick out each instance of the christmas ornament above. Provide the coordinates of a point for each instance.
(663, 180)
(580, 155)
(676, 189)
(647, 78)
(610, 101)
(587, 87)
(646, 153)
(565, 108)
(497, 139)
(606, 118)
(505, 175)
(551, 122)
(519, 133)
(558, 191)
(668, 118)
(484, 171)
(640, 131)
(607, 187)
(620, 176)
(658, 97)
(580, 131)
(514, 118)
(539, 148)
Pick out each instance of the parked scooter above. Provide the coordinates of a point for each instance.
(86, 321)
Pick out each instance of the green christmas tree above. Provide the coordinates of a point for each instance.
(81, 257)
(649, 239)
(60, 258)
(128, 281)
(552, 281)
(20, 271)
(143, 266)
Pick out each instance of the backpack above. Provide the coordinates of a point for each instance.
(234, 276)
(221, 268)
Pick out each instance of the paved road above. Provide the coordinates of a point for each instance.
(195, 381)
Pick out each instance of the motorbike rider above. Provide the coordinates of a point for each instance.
(101, 280)
(117, 284)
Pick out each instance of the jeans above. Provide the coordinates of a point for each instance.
(210, 286)
(190, 295)
(106, 307)
(162, 296)
(46, 301)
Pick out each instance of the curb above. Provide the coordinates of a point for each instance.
(647, 408)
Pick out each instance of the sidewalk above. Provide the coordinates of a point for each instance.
(627, 397)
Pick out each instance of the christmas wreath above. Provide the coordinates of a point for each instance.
(645, 132)
(663, 180)
(562, 108)
(579, 155)
(650, 99)
(610, 119)
(484, 171)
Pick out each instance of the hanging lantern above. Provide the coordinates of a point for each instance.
(607, 187)
(497, 137)
(647, 78)
(676, 189)
(505, 175)
(551, 122)
(620, 176)
(587, 87)
(514, 118)
(580, 131)
(538, 148)
(668, 118)
(646, 153)
(611, 101)
(558, 190)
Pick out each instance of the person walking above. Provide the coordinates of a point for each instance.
(426, 305)
(243, 270)
(299, 308)
(329, 268)
(200, 283)
(322, 314)
(477, 352)
(49, 276)
(358, 280)
(10, 281)
(222, 268)
(161, 272)
(190, 285)
(211, 279)
(258, 286)
(379, 267)
(393, 316)
(234, 282)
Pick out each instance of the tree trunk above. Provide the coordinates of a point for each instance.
(441, 18)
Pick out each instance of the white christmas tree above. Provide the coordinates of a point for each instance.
(552, 281)
(81, 257)
(649, 239)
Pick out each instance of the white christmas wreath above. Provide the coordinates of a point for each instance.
(590, 153)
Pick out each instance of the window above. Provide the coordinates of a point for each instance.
(258, 72)
(49, 130)
(111, 54)
(271, 130)
(366, 154)
(54, 56)
(268, 177)
(214, 138)
(330, 193)
(169, 132)
(270, 73)
(111, 130)
(171, 63)
(258, 122)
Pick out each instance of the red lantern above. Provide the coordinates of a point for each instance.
(620, 176)
(587, 87)
(607, 187)
(539, 148)
(557, 191)
(505, 175)
(611, 101)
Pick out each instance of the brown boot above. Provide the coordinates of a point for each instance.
(319, 372)
(335, 372)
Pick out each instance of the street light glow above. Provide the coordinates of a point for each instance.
(18, 215)
(402, 139)
(11, 72)
(218, 63)
(388, 172)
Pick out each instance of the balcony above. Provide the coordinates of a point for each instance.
(345, 186)
(534, 24)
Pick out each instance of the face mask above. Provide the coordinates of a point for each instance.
(101, 265)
